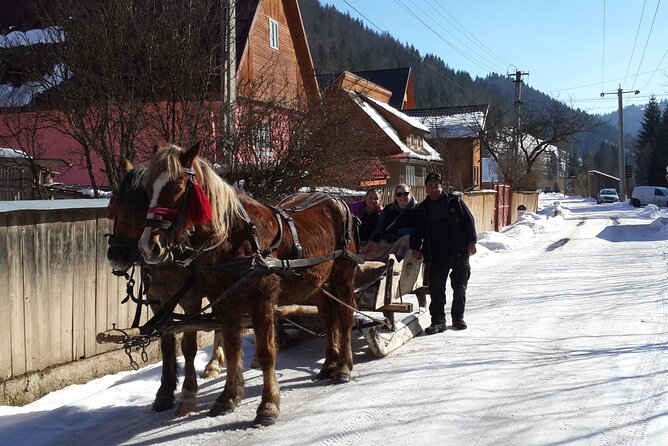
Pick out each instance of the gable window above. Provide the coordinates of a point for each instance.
(410, 175)
(262, 143)
(273, 33)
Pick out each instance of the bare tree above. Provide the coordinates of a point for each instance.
(550, 125)
(282, 144)
(119, 76)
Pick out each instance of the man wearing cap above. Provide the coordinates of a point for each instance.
(445, 236)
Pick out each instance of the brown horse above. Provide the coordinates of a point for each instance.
(190, 204)
(128, 210)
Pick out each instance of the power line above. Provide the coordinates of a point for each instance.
(647, 41)
(464, 31)
(642, 13)
(657, 69)
(612, 80)
(420, 59)
(482, 57)
(408, 10)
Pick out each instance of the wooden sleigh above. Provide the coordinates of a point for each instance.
(392, 295)
(391, 303)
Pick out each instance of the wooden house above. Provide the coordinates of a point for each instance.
(404, 155)
(272, 65)
(455, 132)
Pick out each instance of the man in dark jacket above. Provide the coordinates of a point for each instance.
(445, 236)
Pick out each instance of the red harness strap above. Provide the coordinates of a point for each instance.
(162, 211)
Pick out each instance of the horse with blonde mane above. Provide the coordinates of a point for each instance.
(260, 257)
(127, 209)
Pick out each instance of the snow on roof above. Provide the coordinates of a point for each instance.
(11, 96)
(12, 153)
(464, 125)
(335, 191)
(404, 117)
(431, 154)
(36, 205)
(31, 37)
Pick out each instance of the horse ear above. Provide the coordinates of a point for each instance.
(189, 155)
(126, 166)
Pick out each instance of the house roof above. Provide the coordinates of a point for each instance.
(452, 122)
(393, 79)
(376, 111)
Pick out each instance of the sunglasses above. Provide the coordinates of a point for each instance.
(403, 194)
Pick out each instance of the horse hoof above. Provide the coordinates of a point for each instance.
(340, 378)
(325, 374)
(220, 409)
(210, 373)
(264, 420)
(162, 404)
(183, 409)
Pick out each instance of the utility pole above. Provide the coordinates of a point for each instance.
(622, 161)
(517, 115)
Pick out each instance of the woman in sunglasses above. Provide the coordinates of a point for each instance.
(396, 219)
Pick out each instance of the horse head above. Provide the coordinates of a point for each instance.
(127, 208)
(178, 203)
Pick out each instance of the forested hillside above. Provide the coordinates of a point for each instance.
(339, 42)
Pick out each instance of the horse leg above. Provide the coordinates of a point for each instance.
(188, 401)
(262, 314)
(164, 398)
(234, 384)
(327, 316)
(212, 368)
(344, 288)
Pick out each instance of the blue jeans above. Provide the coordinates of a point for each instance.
(459, 268)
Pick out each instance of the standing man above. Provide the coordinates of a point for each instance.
(445, 236)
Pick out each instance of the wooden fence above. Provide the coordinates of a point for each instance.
(56, 288)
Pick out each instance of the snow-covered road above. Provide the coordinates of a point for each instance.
(566, 343)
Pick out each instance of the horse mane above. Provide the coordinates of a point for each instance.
(225, 204)
(131, 189)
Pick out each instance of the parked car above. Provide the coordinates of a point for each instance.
(644, 195)
(607, 196)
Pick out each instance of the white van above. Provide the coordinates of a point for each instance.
(644, 195)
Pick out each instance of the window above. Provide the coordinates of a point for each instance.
(475, 175)
(424, 174)
(273, 33)
(262, 143)
(410, 175)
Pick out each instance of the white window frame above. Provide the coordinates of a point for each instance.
(273, 33)
(410, 175)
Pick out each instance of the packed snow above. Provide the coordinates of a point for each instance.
(568, 316)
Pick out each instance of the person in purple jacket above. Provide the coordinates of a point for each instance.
(367, 211)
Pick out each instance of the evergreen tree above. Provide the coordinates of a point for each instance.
(645, 148)
(660, 154)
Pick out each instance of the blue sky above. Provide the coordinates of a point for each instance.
(572, 49)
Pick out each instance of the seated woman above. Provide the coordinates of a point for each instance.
(396, 219)
(367, 211)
